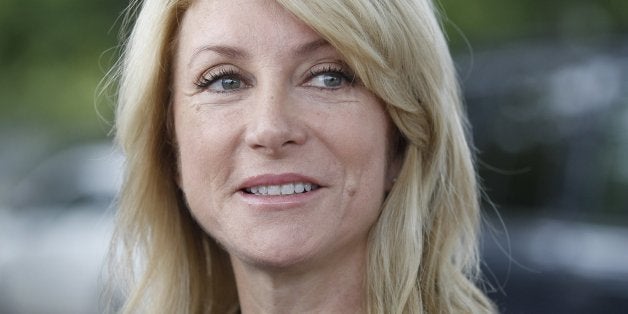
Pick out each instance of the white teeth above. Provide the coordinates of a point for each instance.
(287, 189)
(299, 188)
(284, 189)
(274, 190)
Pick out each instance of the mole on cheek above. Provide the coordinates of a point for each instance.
(351, 190)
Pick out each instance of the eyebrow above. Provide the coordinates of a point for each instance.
(225, 51)
(310, 47)
(239, 54)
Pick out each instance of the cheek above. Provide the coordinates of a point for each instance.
(205, 151)
(360, 141)
(190, 143)
(203, 140)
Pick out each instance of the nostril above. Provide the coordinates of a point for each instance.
(272, 140)
(274, 127)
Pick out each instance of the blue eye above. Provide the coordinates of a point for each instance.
(225, 84)
(221, 81)
(330, 77)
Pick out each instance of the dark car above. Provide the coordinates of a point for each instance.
(550, 123)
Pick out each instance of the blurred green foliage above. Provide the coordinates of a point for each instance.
(54, 53)
(491, 22)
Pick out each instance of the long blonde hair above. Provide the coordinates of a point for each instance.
(423, 249)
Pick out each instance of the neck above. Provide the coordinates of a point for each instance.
(335, 286)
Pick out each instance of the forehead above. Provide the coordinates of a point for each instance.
(263, 25)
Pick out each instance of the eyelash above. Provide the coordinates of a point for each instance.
(207, 79)
(347, 75)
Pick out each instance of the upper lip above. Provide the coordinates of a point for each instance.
(276, 179)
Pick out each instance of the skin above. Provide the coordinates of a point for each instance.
(271, 107)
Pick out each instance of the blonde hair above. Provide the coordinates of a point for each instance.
(423, 249)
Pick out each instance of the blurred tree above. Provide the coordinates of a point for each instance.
(52, 55)
(490, 22)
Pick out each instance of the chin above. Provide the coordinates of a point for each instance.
(277, 258)
(280, 263)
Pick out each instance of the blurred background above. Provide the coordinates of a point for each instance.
(546, 89)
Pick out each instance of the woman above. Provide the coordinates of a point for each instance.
(294, 156)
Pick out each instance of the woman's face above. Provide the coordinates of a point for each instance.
(282, 156)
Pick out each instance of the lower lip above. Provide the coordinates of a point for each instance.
(278, 202)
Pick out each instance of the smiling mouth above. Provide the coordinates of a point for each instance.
(283, 189)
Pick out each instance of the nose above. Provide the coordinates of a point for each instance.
(274, 126)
